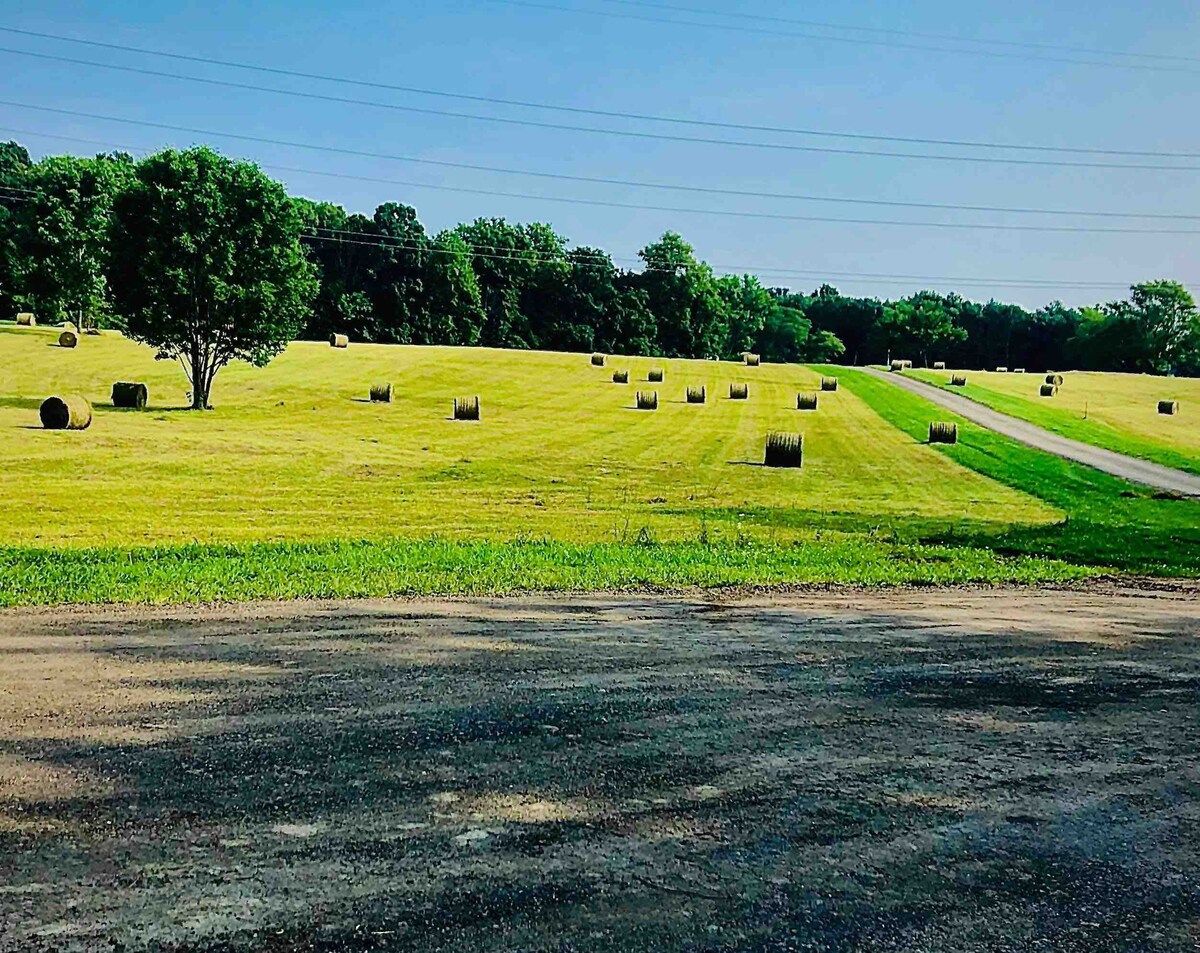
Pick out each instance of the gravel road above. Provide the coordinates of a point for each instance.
(1118, 464)
(931, 770)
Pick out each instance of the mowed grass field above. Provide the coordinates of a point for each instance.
(295, 452)
(1115, 411)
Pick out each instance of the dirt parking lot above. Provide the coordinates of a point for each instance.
(997, 770)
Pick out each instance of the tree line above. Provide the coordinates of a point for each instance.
(110, 240)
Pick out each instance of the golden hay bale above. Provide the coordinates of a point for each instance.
(958, 380)
(71, 412)
(1001, 370)
(466, 408)
(739, 391)
(829, 383)
(784, 450)
(655, 376)
(1018, 370)
(68, 339)
(381, 393)
(943, 433)
(1048, 390)
(620, 377)
(129, 395)
(1055, 379)
(696, 395)
(752, 360)
(1168, 407)
(69, 326)
(939, 365)
(597, 360)
(339, 340)
(897, 366)
(806, 400)
(26, 319)
(647, 400)
(92, 332)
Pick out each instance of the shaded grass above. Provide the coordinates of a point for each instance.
(1108, 521)
(345, 569)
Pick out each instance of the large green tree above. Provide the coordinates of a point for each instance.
(14, 163)
(692, 317)
(923, 321)
(207, 263)
(62, 235)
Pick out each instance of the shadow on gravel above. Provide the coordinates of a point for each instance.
(633, 776)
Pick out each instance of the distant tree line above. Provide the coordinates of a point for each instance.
(67, 225)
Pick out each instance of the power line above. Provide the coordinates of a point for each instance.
(527, 104)
(596, 180)
(855, 41)
(945, 37)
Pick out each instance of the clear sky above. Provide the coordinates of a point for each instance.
(735, 69)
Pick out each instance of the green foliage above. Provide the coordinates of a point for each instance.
(207, 264)
(1156, 331)
(922, 322)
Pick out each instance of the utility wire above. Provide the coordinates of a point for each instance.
(945, 37)
(528, 104)
(594, 180)
(855, 41)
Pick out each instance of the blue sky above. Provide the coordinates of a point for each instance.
(620, 63)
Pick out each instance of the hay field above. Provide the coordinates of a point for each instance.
(296, 451)
(1115, 411)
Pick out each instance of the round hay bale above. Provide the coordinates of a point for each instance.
(806, 400)
(597, 360)
(1168, 408)
(26, 319)
(1001, 370)
(943, 433)
(958, 380)
(647, 400)
(466, 408)
(68, 339)
(655, 376)
(1055, 379)
(69, 326)
(70, 412)
(829, 383)
(339, 340)
(129, 395)
(1048, 390)
(784, 450)
(1018, 370)
(739, 391)
(752, 360)
(939, 365)
(696, 395)
(620, 377)
(897, 366)
(381, 393)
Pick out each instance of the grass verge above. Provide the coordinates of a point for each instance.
(1109, 522)
(205, 573)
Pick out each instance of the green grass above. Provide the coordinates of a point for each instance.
(298, 486)
(1107, 520)
(1116, 411)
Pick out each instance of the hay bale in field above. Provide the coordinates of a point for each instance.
(1048, 390)
(806, 400)
(620, 377)
(70, 412)
(829, 383)
(466, 408)
(739, 391)
(897, 366)
(92, 332)
(907, 365)
(1168, 407)
(1018, 370)
(129, 395)
(943, 433)
(647, 400)
(696, 395)
(598, 360)
(69, 326)
(26, 319)
(381, 393)
(784, 450)
(752, 360)
(958, 380)
(339, 340)
(68, 339)
(655, 375)
(1055, 379)
(939, 365)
